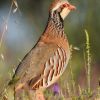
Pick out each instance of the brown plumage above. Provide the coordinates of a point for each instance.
(47, 60)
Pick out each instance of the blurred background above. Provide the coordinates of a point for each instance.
(26, 24)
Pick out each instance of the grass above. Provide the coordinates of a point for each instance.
(88, 58)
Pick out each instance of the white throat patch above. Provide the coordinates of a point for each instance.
(64, 13)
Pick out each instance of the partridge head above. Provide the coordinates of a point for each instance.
(63, 7)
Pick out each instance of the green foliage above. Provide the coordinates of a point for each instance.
(88, 57)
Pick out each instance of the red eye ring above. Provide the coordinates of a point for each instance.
(64, 5)
(69, 6)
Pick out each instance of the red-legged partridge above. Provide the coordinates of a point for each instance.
(48, 59)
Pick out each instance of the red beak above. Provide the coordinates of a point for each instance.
(69, 6)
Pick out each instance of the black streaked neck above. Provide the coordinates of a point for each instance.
(55, 25)
(57, 21)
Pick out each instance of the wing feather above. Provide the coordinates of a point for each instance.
(33, 63)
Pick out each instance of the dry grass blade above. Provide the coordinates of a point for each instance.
(2, 57)
(16, 6)
(5, 25)
(14, 2)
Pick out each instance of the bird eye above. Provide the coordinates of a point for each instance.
(66, 5)
(63, 6)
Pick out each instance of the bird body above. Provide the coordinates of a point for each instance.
(47, 60)
(53, 45)
(51, 51)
